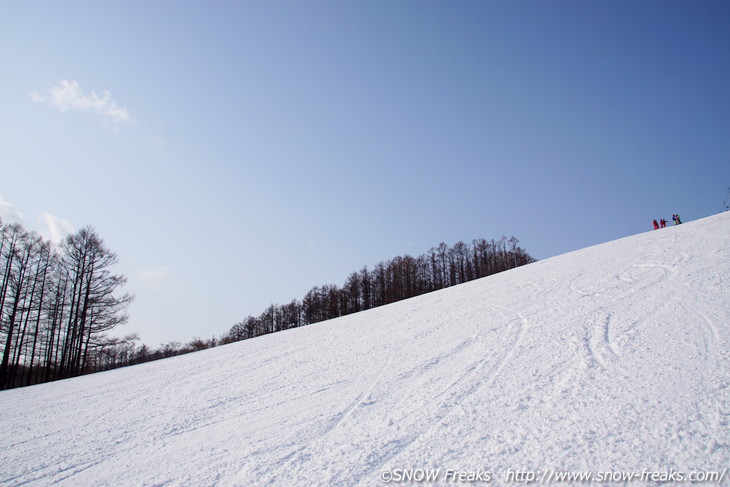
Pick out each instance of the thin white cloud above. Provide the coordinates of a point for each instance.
(54, 229)
(9, 213)
(158, 141)
(36, 97)
(51, 227)
(67, 95)
(152, 279)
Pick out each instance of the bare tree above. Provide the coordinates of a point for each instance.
(95, 306)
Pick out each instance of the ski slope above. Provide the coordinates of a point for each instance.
(613, 358)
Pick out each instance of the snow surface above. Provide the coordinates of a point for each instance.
(611, 358)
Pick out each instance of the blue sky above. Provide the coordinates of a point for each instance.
(236, 154)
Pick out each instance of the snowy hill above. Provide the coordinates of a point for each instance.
(609, 360)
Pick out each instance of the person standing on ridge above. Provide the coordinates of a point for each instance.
(662, 223)
(656, 225)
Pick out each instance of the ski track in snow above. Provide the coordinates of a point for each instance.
(599, 343)
(614, 357)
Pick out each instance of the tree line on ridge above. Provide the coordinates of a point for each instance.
(57, 301)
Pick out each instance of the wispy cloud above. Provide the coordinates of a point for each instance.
(152, 279)
(9, 213)
(53, 228)
(50, 227)
(67, 95)
(158, 141)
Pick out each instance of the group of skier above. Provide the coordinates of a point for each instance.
(663, 223)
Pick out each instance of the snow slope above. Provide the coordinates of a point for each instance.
(611, 358)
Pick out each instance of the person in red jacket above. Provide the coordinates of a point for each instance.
(656, 225)
(663, 223)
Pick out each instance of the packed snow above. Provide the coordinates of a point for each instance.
(611, 359)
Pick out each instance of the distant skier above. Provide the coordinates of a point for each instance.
(656, 225)
(677, 220)
(663, 223)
